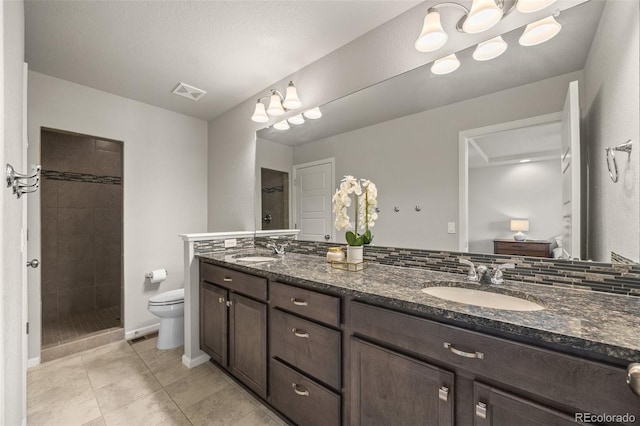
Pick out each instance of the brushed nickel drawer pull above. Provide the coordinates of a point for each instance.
(220, 299)
(299, 392)
(633, 377)
(478, 355)
(443, 393)
(299, 302)
(227, 279)
(300, 333)
(481, 410)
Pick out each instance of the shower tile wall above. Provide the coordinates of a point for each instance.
(81, 202)
(275, 199)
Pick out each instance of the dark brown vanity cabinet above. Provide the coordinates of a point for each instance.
(305, 347)
(233, 323)
(498, 381)
(388, 388)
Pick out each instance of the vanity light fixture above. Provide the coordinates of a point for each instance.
(540, 31)
(446, 65)
(484, 14)
(296, 119)
(281, 125)
(432, 37)
(490, 49)
(278, 104)
(313, 113)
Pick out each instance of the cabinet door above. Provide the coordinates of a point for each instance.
(494, 407)
(213, 322)
(391, 389)
(248, 342)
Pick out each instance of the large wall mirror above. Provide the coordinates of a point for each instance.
(460, 158)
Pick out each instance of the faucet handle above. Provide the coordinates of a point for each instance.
(497, 272)
(472, 275)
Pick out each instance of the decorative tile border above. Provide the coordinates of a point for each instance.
(80, 177)
(621, 279)
(212, 246)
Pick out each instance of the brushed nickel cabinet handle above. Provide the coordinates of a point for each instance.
(477, 355)
(303, 392)
(220, 299)
(633, 377)
(481, 410)
(443, 393)
(299, 302)
(300, 333)
(227, 280)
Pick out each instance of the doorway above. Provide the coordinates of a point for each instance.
(313, 188)
(275, 199)
(81, 236)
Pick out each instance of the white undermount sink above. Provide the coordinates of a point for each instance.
(255, 259)
(483, 298)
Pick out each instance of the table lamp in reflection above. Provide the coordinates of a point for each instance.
(519, 225)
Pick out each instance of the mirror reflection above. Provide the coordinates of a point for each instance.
(449, 153)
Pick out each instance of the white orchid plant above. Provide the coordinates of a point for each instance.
(366, 202)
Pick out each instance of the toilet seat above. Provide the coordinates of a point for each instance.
(173, 297)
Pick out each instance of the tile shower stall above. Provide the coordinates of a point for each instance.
(81, 225)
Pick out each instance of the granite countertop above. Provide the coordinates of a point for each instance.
(598, 325)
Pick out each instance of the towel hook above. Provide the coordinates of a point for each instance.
(22, 184)
(611, 158)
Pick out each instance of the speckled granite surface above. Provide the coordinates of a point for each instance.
(602, 326)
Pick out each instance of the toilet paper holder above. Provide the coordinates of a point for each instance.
(150, 274)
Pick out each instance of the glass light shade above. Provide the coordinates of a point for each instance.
(445, 65)
(540, 31)
(432, 36)
(291, 100)
(260, 115)
(296, 119)
(490, 49)
(313, 114)
(529, 6)
(281, 125)
(483, 15)
(275, 106)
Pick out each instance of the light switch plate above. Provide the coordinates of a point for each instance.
(451, 227)
(230, 243)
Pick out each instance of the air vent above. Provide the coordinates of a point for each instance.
(189, 92)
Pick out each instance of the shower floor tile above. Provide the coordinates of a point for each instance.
(78, 326)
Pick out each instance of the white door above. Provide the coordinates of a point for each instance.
(313, 189)
(571, 217)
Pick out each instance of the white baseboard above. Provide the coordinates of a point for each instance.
(194, 362)
(141, 331)
(32, 362)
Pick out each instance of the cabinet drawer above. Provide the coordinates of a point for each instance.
(567, 380)
(308, 346)
(234, 280)
(300, 399)
(306, 303)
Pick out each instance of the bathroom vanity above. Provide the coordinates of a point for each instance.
(326, 347)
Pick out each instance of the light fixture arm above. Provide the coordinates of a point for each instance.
(499, 3)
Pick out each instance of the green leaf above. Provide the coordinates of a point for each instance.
(354, 239)
(367, 237)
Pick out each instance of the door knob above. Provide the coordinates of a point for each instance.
(34, 263)
(327, 237)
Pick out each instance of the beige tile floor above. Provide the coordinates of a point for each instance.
(137, 384)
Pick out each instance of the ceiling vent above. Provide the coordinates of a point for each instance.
(189, 92)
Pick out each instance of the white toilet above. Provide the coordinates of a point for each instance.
(169, 306)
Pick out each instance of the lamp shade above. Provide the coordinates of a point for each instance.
(519, 225)
(296, 119)
(490, 49)
(540, 31)
(275, 105)
(313, 113)
(445, 65)
(530, 6)
(291, 99)
(260, 115)
(432, 36)
(483, 15)
(281, 125)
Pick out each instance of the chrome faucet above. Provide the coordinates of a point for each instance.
(483, 274)
(277, 249)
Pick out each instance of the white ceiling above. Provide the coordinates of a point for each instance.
(230, 49)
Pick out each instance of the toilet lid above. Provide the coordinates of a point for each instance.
(173, 296)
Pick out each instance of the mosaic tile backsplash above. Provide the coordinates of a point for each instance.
(212, 246)
(623, 279)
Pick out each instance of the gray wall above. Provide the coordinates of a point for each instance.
(413, 160)
(516, 191)
(12, 379)
(612, 110)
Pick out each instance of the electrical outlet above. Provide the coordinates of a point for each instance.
(230, 243)
(451, 227)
